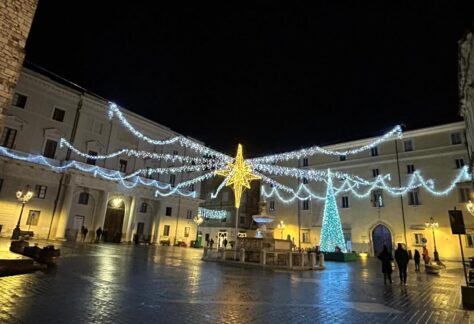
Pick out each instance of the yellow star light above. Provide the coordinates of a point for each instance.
(240, 175)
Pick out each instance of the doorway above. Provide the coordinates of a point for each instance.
(114, 222)
(381, 236)
(221, 236)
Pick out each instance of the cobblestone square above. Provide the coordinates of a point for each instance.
(107, 283)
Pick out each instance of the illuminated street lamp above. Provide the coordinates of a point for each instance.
(23, 196)
(198, 219)
(281, 226)
(432, 224)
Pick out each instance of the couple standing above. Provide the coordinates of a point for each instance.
(401, 257)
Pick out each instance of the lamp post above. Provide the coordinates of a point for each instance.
(23, 196)
(281, 226)
(432, 224)
(198, 219)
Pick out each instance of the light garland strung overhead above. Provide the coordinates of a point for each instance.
(308, 152)
(212, 214)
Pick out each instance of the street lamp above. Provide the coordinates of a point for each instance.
(281, 227)
(23, 196)
(198, 219)
(432, 224)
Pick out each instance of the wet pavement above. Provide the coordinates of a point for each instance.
(107, 283)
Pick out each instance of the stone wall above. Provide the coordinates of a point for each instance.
(16, 17)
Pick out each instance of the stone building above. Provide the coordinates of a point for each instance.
(45, 108)
(218, 229)
(437, 152)
(466, 85)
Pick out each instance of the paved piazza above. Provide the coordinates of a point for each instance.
(107, 283)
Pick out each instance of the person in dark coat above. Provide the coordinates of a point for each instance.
(402, 258)
(98, 234)
(417, 257)
(386, 257)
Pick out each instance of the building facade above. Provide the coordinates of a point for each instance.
(46, 108)
(437, 152)
(220, 229)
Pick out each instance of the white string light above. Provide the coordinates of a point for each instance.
(212, 214)
(308, 152)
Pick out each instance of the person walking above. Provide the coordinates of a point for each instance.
(386, 257)
(417, 260)
(98, 234)
(225, 243)
(426, 255)
(402, 258)
(211, 243)
(84, 234)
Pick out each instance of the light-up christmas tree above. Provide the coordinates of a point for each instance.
(331, 232)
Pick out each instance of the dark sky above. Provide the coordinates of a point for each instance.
(273, 78)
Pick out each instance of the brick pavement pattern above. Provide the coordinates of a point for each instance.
(106, 283)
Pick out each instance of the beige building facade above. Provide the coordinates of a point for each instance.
(438, 153)
(45, 108)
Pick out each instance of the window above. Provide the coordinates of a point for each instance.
(143, 207)
(464, 195)
(374, 151)
(413, 198)
(377, 198)
(169, 211)
(1, 184)
(470, 240)
(8, 137)
(225, 196)
(83, 198)
(272, 205)
(186, 231)
(306, 204)
(91, 161)
(123, 165)
(375, 173)
(19, 100)
(189, 214)
(242, 219)
(172, 179)
(342, 157)
(410, 168)
(148, 172)
(459, 163)
(305, 236)
(58, 114)
(175, 152)
(166, 230)
(40, 191)
(408, 145)
(305, 181)
(345, 201)
(305, 162)
(456, 138)
(50, 149)
(33, 217)
(419, 238)
(191, 187)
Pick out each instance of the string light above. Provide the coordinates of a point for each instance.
(181, 140)
(212, 214)
(308, 152)
(332, 235)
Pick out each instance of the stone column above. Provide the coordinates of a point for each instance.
(156, 222)
(131, 219)
(16, 17)
(65, 213)
(99, 217)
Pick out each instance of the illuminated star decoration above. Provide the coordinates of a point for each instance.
(239, 175)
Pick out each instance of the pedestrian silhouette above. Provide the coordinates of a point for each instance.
(386, 257)
(98, 234)
(225, 243)
(84, 234)
(417, 260)
(211, 243)
(402, 258)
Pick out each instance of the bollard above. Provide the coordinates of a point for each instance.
(242, 255)
(313, 260)
(204, 255)
(290, 260)
(321, 262)
(263, 257)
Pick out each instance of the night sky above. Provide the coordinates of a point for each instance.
(272, 78)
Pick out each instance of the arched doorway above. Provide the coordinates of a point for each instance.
(381, 236)
(114, 221)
